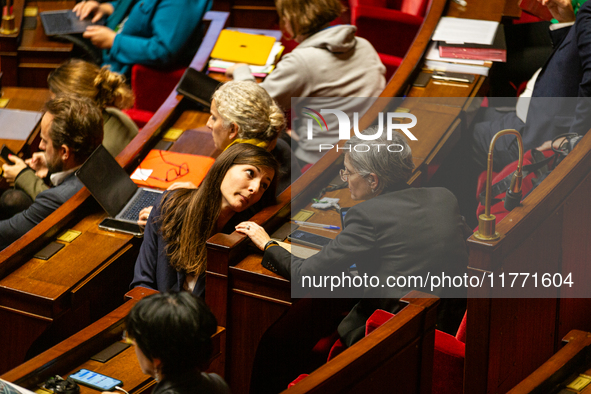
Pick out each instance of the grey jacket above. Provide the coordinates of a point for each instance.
(331, 63)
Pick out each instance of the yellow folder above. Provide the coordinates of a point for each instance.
(234, 46)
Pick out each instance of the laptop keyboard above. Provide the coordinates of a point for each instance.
(58, 22)
(145, 198)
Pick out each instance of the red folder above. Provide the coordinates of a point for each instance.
(496, 52)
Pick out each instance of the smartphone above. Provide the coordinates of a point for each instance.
(48, 251)
(454, 77)
(5, 152)
(95, 380)
(308, 239)
(111, 224)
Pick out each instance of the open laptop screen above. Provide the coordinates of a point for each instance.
(108, 183)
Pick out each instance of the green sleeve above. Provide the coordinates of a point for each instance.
(30, 183)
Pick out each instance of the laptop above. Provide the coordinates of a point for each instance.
(198, 87)
(110, 185)
(64, 22)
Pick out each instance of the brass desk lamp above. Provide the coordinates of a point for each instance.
(486, 221)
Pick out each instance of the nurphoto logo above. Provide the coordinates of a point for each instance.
(345, 128)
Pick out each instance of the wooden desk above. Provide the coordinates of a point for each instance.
(562, 368)
(43, 302)
(27, 58)
(29, 99)
(74, 353)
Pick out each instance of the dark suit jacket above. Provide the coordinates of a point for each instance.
(398, 233)
(44, 205)
(567, 73)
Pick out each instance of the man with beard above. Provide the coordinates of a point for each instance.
(71, 129)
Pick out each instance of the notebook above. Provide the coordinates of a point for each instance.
(110, 185)
(64, 22)
(234, 46)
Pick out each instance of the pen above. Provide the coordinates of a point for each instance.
(319, 225)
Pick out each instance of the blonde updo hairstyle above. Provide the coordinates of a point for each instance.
(249, 107)
(85, 79)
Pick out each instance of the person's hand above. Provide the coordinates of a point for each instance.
(38, 164)
(86, 8)
(561, 10)
(256, 233)
(182, 185)
(548, 144)
(101, 36)
(144, 215)
(10, 172)
(230, 70)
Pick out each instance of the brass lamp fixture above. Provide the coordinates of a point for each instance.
(8, 26)
(486, 221)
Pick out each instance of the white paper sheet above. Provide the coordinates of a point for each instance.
(460, 31)
(141, 174)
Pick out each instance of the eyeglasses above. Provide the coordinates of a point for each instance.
(173, 173)
(345, 174)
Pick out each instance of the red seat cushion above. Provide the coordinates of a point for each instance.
(139, 117)
(151, 86)
(448, 364)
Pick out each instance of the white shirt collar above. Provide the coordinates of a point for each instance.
(59, 177)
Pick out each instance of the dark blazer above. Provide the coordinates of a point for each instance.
(567, 73)
(402, 232)
(152, 267)
(44, 205)
(202, 383)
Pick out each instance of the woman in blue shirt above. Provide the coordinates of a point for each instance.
(155, 33)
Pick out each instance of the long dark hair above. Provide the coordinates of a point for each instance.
(189, 216)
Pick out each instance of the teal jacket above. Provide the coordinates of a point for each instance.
(157, 33)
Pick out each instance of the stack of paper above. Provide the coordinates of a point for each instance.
(456, 32)
(433, 61)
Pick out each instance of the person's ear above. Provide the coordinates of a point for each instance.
(374, 181)
(157, 368)
(233, 131)
(65, 152)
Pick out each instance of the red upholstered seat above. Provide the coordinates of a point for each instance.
(390, 26)
(448, 361)
(377, 318)
(151, 87)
